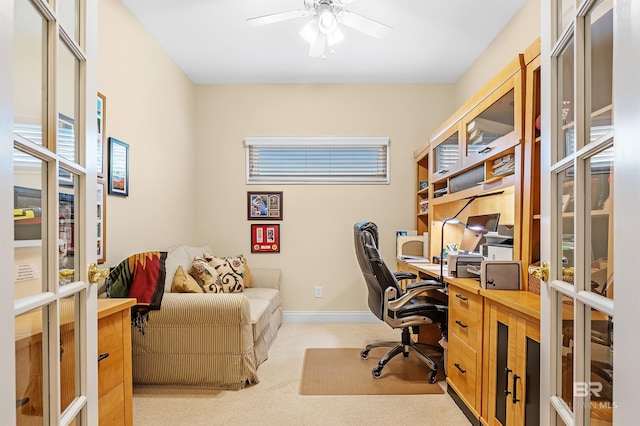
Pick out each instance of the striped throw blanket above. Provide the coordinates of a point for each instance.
(140, 276)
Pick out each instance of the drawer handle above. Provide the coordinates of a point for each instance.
(485, 150)
(461, 297)
(461, 324)
(460, 368)
(103, 356)
(443, 171)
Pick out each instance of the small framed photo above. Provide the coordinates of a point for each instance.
(265, 238)
(264, 205)
(118, 168)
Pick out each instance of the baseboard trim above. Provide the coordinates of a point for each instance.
(329, 317)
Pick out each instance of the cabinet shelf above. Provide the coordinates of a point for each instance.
(505, 182)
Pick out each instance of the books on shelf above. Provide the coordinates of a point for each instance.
(424, 206)
(440, 192)
(504, 165)
(484, 131)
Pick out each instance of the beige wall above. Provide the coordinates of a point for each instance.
(187, 177)
(150, 106)
(523, 29)
(317, 230)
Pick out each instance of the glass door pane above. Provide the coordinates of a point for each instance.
(599, 70)
(566, 10)
(67, 236)
(566, 238)
(32, 402)
(566, 101)
(600, 177)
(69, 16)
(67, 85)
(29, 224)
(601, 371)
(30, 77)
(69, 341)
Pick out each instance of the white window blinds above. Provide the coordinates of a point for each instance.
(325, 160)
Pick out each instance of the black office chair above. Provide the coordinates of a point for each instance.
(397, 308)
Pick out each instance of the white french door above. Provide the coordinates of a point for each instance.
(590, 123)
(48, 161)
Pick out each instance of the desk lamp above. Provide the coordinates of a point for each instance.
(454, 219)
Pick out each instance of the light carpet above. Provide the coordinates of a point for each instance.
(275, 401)
(341, 371)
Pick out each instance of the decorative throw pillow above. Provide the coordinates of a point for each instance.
(230, 270)
(185, 283)
(205, 275)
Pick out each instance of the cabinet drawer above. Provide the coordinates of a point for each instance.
(465, 324)
(110, 412)
(461, 300)
(462, 362)
(110, 346)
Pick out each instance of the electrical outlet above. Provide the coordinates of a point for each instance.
(318, 291)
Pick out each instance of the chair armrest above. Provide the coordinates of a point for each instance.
(404, 276)
(427, 283)
(398, 303)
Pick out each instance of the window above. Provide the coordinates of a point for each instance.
(323, 160)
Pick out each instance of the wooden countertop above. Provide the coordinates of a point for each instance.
(107, 307)
(523, 301)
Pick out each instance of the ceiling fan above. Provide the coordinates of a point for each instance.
(323, 29)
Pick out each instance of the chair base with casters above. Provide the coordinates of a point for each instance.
(405, 347)
(397, 307)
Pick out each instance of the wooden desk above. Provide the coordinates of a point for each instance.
(114, 371)
(473, 353)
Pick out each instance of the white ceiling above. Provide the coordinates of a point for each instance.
(433, 41)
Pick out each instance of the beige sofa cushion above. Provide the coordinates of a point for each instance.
(184, 283)
(181, 255)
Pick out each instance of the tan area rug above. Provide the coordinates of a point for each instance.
(341, 371)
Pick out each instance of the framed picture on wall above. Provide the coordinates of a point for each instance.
(118, 167)
(265, 238)
(264, 205)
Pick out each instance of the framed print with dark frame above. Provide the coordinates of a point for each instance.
(264, 205)
(101, 221)
(101, 111)
(265, 238)
(118, 167)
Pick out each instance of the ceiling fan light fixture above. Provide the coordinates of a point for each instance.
(310, 31)
(327, 22)
(335, 37)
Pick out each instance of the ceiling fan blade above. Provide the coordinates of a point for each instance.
(365, 25)
(277, 17)
(317, 48)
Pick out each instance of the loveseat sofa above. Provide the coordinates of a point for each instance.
(205, 340)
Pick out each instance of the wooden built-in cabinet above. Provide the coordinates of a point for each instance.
(478, 151)
(115, 385)
(490, 146)
(511, 363)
